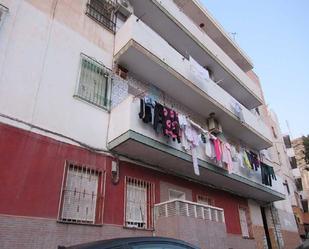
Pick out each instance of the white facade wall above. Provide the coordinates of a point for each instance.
(39, 67)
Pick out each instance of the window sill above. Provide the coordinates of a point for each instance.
(249, 238)
(101, 24)
(102, 108)
(140, 229)
(78, 223)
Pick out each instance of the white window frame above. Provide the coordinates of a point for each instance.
(181, 194)
(106, 74)
(81, 195)
(243, 219)
(205, 199)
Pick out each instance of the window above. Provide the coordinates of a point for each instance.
(103, 12)
(139, 203)
(81, 195)
(293, 162)
(94, 83)
(3, 11)
(206, 200)
(287, 141)
(274, 132)
(176, 195)
(287, 186)
(244, 222)
(304, 203)
(299, 185)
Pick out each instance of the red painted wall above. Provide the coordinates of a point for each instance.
(31, 171)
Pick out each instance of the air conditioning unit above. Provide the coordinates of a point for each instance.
(213, 124)
(124, 7)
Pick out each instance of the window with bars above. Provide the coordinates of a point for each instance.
(82, 194)
(244, 224)
(139, 200)
(94, 83)
(103, 12)
(206, 200)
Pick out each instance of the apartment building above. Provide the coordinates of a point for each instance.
(300, 170)
(87, 150)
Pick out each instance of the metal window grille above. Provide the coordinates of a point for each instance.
(80, 196)
(139, 203)
(103, 12)
(205, 200)
(93, 83)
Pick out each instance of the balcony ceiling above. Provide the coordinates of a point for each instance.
(215, 31)
(185, 45)
(148, 68)
(170, 160)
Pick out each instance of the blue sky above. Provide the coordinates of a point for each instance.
(275, 35)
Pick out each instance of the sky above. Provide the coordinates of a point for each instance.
(275, 35)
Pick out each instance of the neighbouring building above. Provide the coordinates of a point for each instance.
(300, 171)
(135, 118)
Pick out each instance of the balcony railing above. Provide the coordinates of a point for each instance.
(189, 209)
(131, 137)
(187, 38)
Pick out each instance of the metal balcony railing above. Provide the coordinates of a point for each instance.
(189, 209)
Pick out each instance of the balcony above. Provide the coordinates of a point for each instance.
(130, 137)
(187, 38)
(191, 222)
(151, 59)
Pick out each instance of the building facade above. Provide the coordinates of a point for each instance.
(300, 173)
(87, 152)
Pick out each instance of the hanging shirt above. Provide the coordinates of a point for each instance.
(254, 161)
(145, 111)
(227, 157)
(217, 145)
(170, 124)
(189, 140)
(246, 160)
(208, 147)
(158, 118)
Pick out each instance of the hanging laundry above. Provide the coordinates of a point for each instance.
(171, 124)
(209, 146)
(189, 140)
(236, 108)
(182, 124)
(254, 161)
(227, 157)
(268, 174)
(203, 138)
(158, 118)
(246, 160)
(145, 112)
(217, 146)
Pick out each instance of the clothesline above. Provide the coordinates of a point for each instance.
(180, 127)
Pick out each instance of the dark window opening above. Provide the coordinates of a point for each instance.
(274, 132)
(287, 186)
(305, 205)
(293, 162)
(287, 141)
(299, 184)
